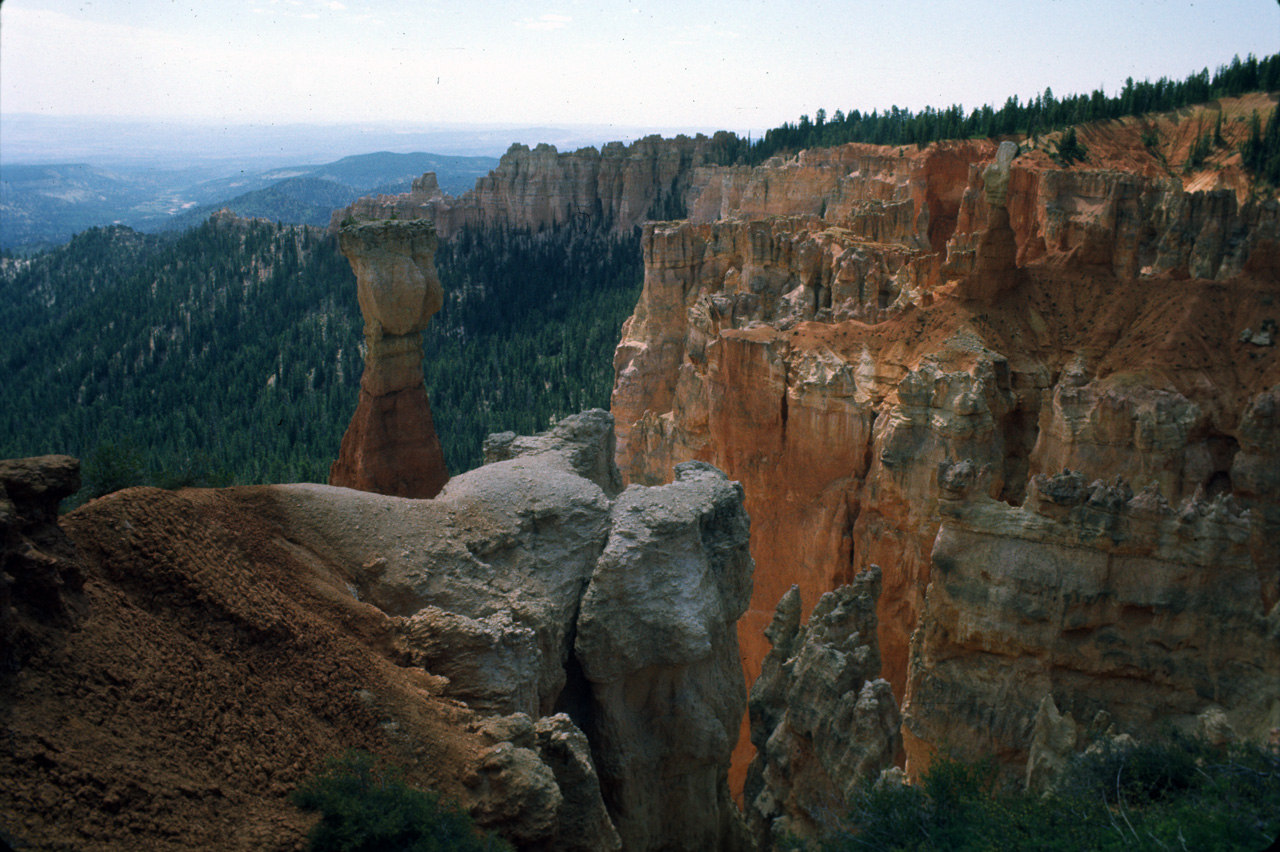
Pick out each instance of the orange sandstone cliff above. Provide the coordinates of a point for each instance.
(835, 329)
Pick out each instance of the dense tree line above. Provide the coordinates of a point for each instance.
(1041, 114)
(232, 353)
(213, 352)
(528, 329)
(1261, 151)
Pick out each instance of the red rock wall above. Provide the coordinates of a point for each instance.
(826, 364)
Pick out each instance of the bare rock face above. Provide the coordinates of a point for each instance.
(1054, 737)
(41, 583)
(585, 825)
(559, 657)
(995, 268)
(1090, 599)
(536, 187)
(837, 331)
(538, 590)
(822, 721)
(487, 578)
(657, 641)
(391, 446)
(537, 786)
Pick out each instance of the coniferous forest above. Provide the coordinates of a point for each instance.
(232, 353)
(1041, 114)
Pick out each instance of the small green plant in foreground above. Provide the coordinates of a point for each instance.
(1180, 795)
(365, 806)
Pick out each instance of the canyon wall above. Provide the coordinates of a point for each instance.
(1106, 604)
(622, 185)
(832, 329)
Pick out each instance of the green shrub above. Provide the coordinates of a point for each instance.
(1070, 148)
(112, 467)
(1176, 795)
(365, 806)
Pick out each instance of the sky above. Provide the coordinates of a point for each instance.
(741, 65)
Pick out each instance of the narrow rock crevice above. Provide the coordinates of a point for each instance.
(1021, 430)
(1222, 450)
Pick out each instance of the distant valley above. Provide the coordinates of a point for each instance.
(44, 205)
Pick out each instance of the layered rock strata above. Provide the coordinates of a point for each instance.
(622, 185)
(831, 327)
(391, 446)
(1090, 601)
(1132, 208)
(822, 721)
(896, 318)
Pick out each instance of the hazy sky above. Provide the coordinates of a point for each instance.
(737, 64)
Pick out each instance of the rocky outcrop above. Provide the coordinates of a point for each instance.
(622, 185)
(556, 653)
(538, 788)
(1086, 600)
(536, 588)
(822, 721)
(211, 667)
(995, 267)
(41, 581)
(1129, 208)
(657, 641)
(391, 446)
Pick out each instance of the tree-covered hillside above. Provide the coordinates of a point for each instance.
(1039, 114)
(298, 201)
(232, 353)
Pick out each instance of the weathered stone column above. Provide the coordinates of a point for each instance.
(995, 268)
(391, 445)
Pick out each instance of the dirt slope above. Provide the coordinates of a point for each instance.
(217, 666)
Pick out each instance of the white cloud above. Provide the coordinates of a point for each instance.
(336, 6)
(547, 22)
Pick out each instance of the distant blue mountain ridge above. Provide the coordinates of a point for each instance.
(44, 205)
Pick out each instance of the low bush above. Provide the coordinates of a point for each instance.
(365, 806)
(1183, 794)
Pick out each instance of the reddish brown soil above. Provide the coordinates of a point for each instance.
(1118, 144)
(218, 665)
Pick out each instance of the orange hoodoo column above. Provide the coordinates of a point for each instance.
(391, 446)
